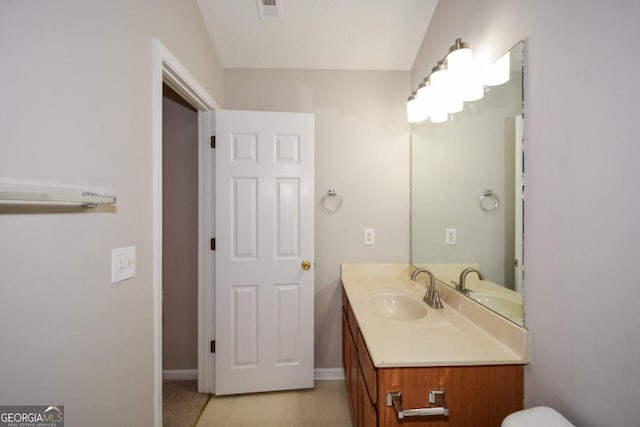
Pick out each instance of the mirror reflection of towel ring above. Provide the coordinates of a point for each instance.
(332, 201)
(486, 199)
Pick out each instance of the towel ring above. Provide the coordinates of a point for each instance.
(489, 195)
(332, 201)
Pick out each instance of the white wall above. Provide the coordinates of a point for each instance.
(582, 226)
(76, 109)
(362, 151)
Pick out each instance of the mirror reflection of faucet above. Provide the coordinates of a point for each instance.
(432, 296)
(461, 285)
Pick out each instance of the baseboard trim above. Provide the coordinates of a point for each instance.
(336, 374)
(180, 374)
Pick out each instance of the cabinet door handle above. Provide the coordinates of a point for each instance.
(394, 399)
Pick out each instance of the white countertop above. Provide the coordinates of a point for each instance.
(462, 333)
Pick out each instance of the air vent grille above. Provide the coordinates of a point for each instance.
(270, 10)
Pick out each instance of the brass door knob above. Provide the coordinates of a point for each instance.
(306, 264)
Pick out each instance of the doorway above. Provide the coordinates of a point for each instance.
(181, 402)
(179, 237)
(168, 70)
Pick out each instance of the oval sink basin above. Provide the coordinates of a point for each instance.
(398, 306)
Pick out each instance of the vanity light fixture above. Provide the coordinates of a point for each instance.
(424, 89)
(446, 88)
(472, 87)
(460, 58)
(429, 100)
(439, 116)
(454, 80)
(464, 73)
(426, 94)
(413, 109)
(498, 72)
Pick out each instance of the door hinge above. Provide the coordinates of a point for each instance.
(213, 141)
(213, 346)
(213, 244)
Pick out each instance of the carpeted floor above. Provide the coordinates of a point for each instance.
(181, 403)
(324, 406)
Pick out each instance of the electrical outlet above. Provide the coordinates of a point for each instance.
(123, 263)
(450, 238)
(369, 236)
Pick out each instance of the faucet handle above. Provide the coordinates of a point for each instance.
(428, 297)
(432, 298)
(435, 301)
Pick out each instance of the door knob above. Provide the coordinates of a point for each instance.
(306, 264)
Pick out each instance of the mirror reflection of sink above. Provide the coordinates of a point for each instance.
(397, 306)
(503, 304)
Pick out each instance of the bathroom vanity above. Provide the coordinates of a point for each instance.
(464, 358)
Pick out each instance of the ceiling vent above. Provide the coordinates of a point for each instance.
(270, 10)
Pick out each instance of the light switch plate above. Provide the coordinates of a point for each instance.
(450, 238)
(369, 236)
(123, 263)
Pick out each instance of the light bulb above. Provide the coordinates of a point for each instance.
(460, 57)
(463, 73)
(472, 88)
(446, 92)
(439, 77)
(498, 72)
(453, 103)
(413, 114)
(424, 94)
(439, 116)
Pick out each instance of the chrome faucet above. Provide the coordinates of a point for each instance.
(432, 296)
(463, 276)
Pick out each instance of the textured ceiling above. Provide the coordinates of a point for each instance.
(319, 34)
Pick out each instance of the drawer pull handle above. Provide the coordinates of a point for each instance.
(394, 399)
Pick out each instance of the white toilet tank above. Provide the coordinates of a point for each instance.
(540, 416)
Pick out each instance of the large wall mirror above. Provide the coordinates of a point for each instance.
(467, 184)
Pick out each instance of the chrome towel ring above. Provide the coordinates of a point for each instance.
(489, 200)
(332, 201)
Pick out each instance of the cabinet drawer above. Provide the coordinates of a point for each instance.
(368, 370)
(367, 415)
(478, 396)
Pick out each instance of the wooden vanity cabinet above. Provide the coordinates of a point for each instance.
(361, 404)
(478, 396)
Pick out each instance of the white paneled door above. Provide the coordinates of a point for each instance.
(264, 283)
